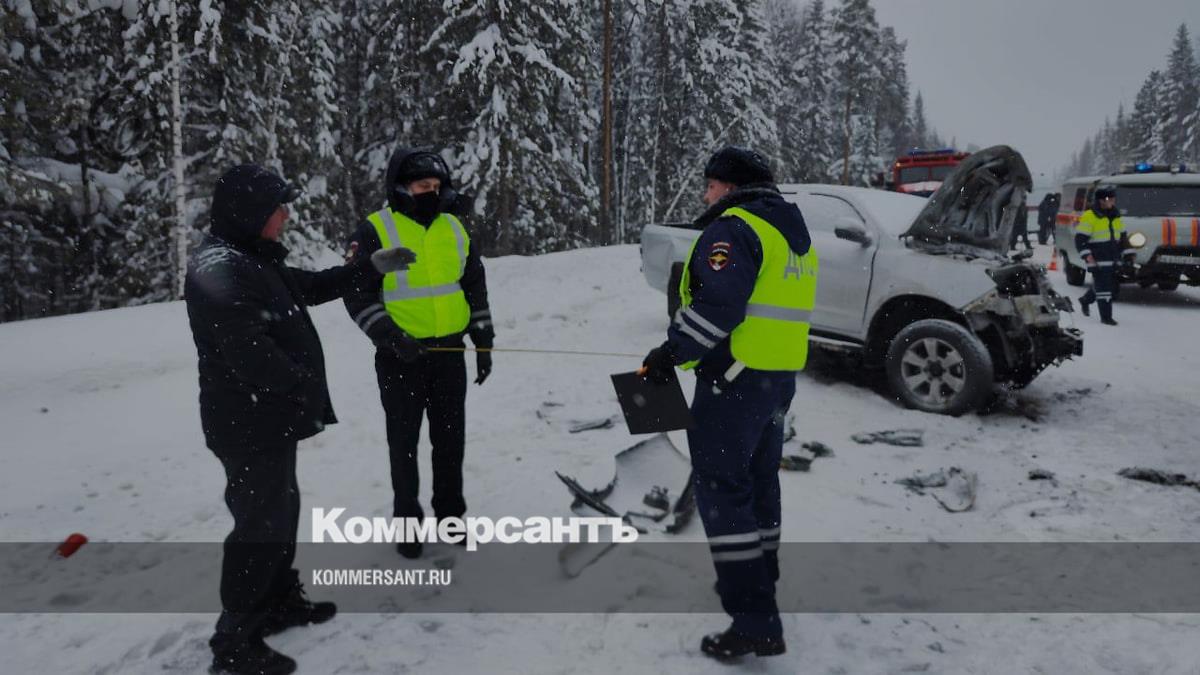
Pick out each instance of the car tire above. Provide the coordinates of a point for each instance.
(1075, 275)
(940, 367)
(673, 280)
(1168, 285)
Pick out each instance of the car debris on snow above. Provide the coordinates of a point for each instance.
(653, 468)
(551, 412)
(1159, 477)
(651, 490)
(1041, 474)
(588, 425)
(903, 437)
(953, 488)
(804, 462)
(795, 463)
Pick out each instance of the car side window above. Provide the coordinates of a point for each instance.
(826, 212)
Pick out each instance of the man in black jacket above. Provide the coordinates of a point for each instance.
(417, 319)
(1047, 212)
(262, 389)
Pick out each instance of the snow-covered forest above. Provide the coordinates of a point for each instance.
(1162, 128)
(570, 123)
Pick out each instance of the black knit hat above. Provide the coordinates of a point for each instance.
(244, 198)
(738, 165)
(1105, 191)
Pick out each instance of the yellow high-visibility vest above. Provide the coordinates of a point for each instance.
(774, 334)
(425, 300)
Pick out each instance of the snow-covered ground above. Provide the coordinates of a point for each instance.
(102, 436)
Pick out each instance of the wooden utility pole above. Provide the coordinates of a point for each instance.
(181, 230)
(848, 130)
(607, 234)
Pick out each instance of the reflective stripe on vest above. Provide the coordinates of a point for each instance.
(426, 300)
(774, 334)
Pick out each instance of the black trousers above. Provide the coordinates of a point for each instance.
(1044, 232)
(435, 385)
(736, 444)
(1103, 285)
(257, 570)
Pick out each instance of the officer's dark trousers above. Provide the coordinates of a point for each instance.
(736, 445)
(1101, 292)
(256, 572)
(433, 385)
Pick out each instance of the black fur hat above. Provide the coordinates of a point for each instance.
(738, 165)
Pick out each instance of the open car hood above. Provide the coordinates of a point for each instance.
(976, 206)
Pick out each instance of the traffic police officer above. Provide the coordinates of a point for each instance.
(746, 296)
(433, 303)
(1099, 237)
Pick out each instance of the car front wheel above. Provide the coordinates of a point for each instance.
(940, 367)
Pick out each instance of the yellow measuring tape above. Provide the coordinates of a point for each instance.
(532, 351)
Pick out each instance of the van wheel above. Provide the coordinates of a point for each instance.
(940, 367)
(1075, 275)
(673, 290)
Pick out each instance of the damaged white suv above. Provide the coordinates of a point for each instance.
(922, 288)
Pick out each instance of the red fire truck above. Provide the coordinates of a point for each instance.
(920, 172)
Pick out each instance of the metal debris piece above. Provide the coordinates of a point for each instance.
(1159, 477)
(818, 449)
(902, 437)
(653, 463)
(588, 425)
(953, 488)
(657, 498)
(795, 463)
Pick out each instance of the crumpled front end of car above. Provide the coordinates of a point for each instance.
(1019, 321)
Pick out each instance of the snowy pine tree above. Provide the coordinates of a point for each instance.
(856, 63)
(509, 92)
(815, 88)
(892, 118)
(1145, 140)
(1164, 126)
(1180, 100)
(519, 70)
(920, 127)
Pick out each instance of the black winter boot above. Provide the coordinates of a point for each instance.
(1106, 317)
(1085, 305)
(297, 610)
(253, 658)
(729, 645)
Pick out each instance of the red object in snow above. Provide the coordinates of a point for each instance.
(70, 545)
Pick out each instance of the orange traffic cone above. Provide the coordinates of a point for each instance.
(1053, 260)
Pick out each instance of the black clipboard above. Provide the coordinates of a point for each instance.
(650, 407)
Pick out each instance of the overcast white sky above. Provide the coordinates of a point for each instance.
(1039, 75)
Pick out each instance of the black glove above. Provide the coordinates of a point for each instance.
(402, 344)
(483, 366)
(659, 364)
(393, 259)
